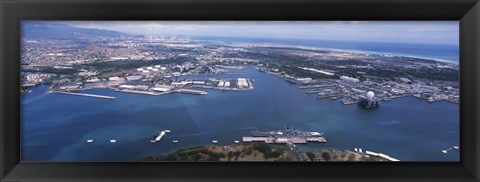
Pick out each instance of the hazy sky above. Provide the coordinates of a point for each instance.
(437, 32)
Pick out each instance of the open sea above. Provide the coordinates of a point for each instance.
(55, 127)
(439, 52)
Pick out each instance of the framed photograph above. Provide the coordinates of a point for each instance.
(240, 90)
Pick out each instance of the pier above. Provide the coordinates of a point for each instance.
(87, 95)
(451, 148)
(348, 102)
(313, 91)
(139, 92)
(384, 156)
(285, 136)
(190, 91)
(381, 155)
(314, 86)
(159, 137)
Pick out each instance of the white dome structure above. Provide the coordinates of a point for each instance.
(370, 95)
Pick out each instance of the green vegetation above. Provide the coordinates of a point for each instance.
(335, 157)
(188, 154)
(326, 156)
(284, 159)
(311, 156)
(387, 69)
(262, 148)
(47, 69)
(235, 154)
(267, 150)
(351, 157)
(214, 153)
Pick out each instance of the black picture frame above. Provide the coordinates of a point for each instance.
(13, 11)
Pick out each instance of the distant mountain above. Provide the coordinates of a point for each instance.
(65, 32)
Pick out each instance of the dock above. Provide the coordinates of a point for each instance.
(314, 86)
(348, 102)
(191, 91)
(381, 155)
(139, 92)
(295, 140)
(159, 137)
(384, 156)
(313, 91)
(285, 136)
(84, 94)
(330, 96)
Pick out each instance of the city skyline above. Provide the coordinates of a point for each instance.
(427, 32)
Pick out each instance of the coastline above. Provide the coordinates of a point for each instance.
(261, 152)
(345, 50)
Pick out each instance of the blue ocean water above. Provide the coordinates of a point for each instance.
(441, 52)
(55, 127)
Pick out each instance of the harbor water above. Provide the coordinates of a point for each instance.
(55, 127)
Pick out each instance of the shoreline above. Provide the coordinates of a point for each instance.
(262, 152)
(354, 51)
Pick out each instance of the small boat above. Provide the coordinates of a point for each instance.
(175, 141)
(451, 148)
(159, 137)
(90, 141)
(167, 131)
(214, 141)
(113, 141)
(236, 141)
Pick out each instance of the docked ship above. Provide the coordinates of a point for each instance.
(159, 137)
(286, 135)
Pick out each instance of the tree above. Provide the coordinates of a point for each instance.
(262, 147)
(311, 156)
(335, 157)
(284, 159)
(197, 157)
(351, 157)
(326, 156)
(230, 155)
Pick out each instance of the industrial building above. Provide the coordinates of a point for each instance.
(369, 101)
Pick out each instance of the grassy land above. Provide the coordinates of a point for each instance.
(235, 152)
(255, 152)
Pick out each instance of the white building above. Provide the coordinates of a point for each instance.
(116, 78)
(93, 80)
(397, 91)
(161, 89)
(242, 82)
(127, 86)
(305, 80)
(134, 77)
(349, 79)
(199, 82)
(87, 73)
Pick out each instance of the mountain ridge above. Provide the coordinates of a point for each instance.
(65, 32)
